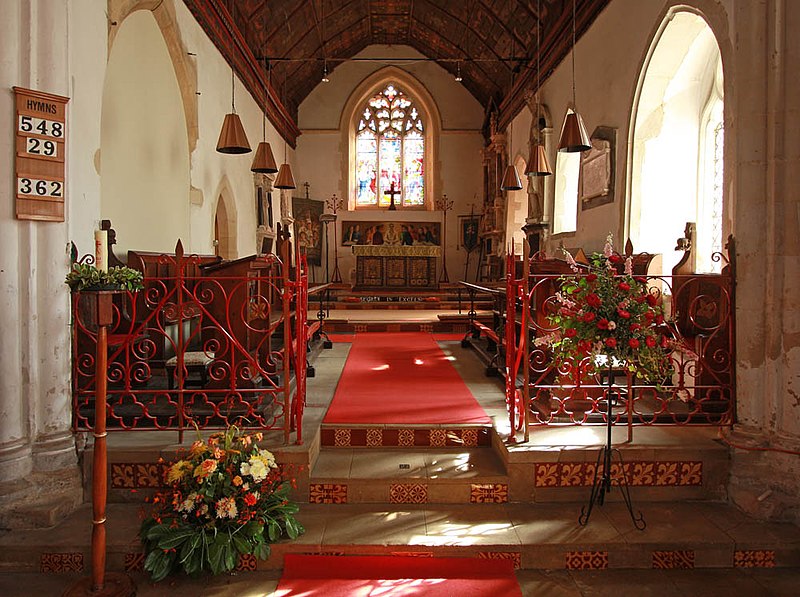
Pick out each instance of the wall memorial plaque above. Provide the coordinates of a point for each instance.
(40, 141)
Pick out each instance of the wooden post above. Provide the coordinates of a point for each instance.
(99, 584)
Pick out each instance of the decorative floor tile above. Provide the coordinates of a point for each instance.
(61, 562)
(691, 473)
(678, 559)
(642, 473)
(412, 554)
(469, 437)
(408, 493)
(341, 437)
(134, 562)
(754, 558)
(587, 560)
(247, 562)
(122, 476)
(488, 493)
(546, 475)
(438, 438)
(327, 493)
(571, 474)
(374, 438)
(405, 437)
(667, 473)
(514, 556)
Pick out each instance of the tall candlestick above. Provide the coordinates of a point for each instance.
(101, 250)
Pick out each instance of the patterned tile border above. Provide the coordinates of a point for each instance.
(61, 562)
(404, 437)
(657, 473)
(134, 562)
(327, 493)
(408, 493)
(247, 563)
(412, 554)
(586, 560)
(488, 493)
(754, 558)
(514, 556)
(671, 560)
(137, 475)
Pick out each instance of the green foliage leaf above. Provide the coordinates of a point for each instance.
(274, 530)
(293, 528)
(261, 551)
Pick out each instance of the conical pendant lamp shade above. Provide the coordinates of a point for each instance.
(285, 180)
(264, 161)
(573, 134)
(232, 138)
(537, 162)
(511, 180)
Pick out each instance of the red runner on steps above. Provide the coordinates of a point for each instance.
(393, 576)
(401, 378)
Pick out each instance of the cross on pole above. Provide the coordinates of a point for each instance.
(391, 191)
(334, 204)
(444, 204)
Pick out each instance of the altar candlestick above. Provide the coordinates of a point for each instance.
(101, 250)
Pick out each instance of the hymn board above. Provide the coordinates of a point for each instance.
(41, 135)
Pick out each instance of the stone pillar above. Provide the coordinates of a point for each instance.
(762, 115)
(37, 449)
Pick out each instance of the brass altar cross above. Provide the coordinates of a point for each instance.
(392, 192)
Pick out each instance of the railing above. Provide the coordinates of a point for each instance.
(221, 347)
(700, 326)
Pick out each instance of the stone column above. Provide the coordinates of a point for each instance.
(37, 450)
(762, 117)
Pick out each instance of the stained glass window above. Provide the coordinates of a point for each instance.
(390, 151)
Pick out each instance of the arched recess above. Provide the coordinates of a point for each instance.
(517, 210)
(429, 112)
(144, 153)
(225, 229)
(676, 142)
(185, 67)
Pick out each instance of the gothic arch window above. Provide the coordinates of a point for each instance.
(677, 143)
(390, 150)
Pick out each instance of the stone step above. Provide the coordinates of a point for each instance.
(686, 535)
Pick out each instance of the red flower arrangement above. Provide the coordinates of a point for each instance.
(226, 498)
(615, 315)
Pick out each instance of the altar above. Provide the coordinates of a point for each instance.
(396, 266)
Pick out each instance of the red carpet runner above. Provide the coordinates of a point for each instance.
(388, 576)
(401, 378)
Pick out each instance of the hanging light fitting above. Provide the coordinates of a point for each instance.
(537, 160)
(232, 138)
(573, 132)
(458, 72)
(264, 161)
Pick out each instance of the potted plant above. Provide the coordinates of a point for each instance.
(225, 498)
(84, 276)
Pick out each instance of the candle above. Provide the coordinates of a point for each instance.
(101, 250)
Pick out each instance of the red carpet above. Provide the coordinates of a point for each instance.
(401, 378)
(390, 576)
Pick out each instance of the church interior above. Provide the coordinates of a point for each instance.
(376, 233)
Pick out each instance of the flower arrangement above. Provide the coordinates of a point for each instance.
(601, 312)
(226, 498)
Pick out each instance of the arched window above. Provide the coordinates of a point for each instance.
(677, 143)
(565, 209)
(390, 150)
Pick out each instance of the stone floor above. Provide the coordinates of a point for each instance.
(540, 533)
